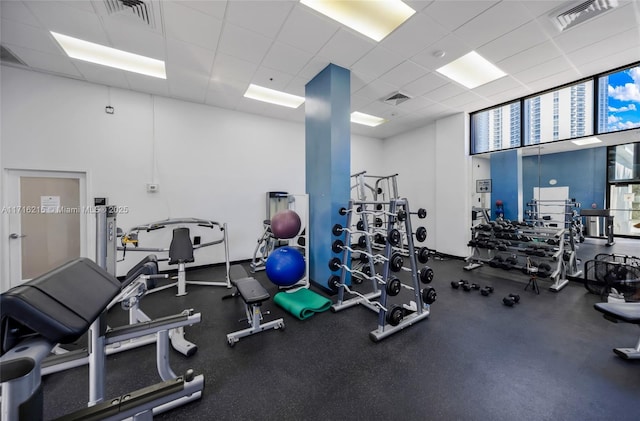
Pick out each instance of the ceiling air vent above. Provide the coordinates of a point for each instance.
(576, 13)
(139, 9)
(7, 56)
(396, 99)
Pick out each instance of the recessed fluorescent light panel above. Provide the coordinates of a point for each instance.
(107, 56)
(366, 119)
(586, 141)
(375, 19)
(471, 70)
(273, 97)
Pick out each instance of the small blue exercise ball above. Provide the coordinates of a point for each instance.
(285, 266)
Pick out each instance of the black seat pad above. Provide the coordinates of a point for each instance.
(627, 312)
(61, 304)
(251, 291)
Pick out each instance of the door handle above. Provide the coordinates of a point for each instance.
(14, 236)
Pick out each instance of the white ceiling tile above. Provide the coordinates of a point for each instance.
(135, 39)
(305, 30)
(625, 41)
(227, 67)
(17, 11)
(185, 85)
(43, 61)
(403, 74)
(409, 39)
(67, 20)
(102, 74)
(244, 44)
(380, 109)
(454, 14)
(359, 102)
(212, 8)
(415, 104)
(418, 5)
(499, 19)
(426, 83)
(225, 94)
(197, 60)
(263, 17)
(542, 9)
(286, 58)
(152, 85)
(530, 57)
(297, 86)
(442, 93)
(553, 81)
(546, 70)
(378, 61)
(460, 100)
(592, 31)
(313, 67)
(345, 48)
(189, 25)
(453, 47)
(271, 78)
(359, 80)
(26, 36)
(85, 6)
(528, 35)
(608, 62)
(506, 83)
(377, 89)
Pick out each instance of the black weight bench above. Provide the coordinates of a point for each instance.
(253, 294)
(622, 312)
(59, 307)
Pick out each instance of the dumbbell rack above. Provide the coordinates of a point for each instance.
(511, 247)
(390, 319)
(545, 213)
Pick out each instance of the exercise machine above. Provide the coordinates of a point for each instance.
(59, 307)
(182, 247)
(253, 294)
(622, 312)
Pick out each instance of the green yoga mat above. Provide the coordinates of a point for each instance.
(302, 303)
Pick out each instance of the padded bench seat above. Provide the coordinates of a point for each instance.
(626, 312)
(251, 291)
(253, 294)
(59, 305)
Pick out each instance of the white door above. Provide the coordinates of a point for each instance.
(47, 221)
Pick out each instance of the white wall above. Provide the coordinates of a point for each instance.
(434, 173)
(412, 156)
(210, 162)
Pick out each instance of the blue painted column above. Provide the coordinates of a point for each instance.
(328, 162)
(506, 185)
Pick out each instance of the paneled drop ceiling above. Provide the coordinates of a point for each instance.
(215, 49)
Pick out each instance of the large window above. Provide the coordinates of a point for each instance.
(624, 188)
(496, 129)
(619, 100)
(566, 113)
(570, 112)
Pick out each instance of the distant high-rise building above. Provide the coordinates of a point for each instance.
(561, 114)
(603, 104)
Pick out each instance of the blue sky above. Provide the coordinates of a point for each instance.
(624, 99)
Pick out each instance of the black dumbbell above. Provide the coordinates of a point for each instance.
(511, 299)
(456, 284)
(402, 214)
(485, 291)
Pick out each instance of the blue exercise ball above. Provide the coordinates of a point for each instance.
(285, 266)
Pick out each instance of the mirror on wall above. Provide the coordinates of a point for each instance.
(603, 176)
